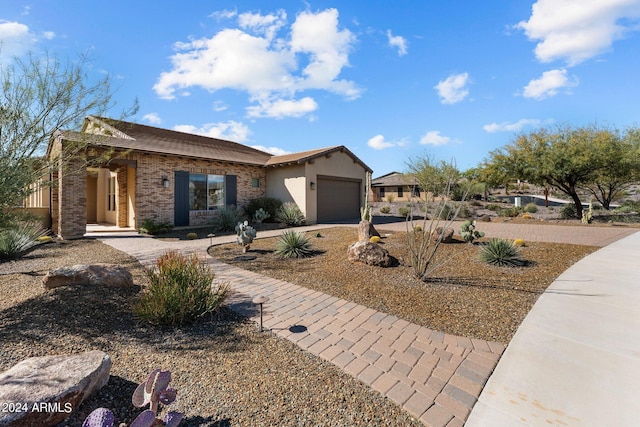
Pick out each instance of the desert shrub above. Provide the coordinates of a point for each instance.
(385, 209)
(493, 207)
(226, 219)
(526, 215)
(268, 204)
(475, 202)
(502, 253)
(568, 211)
(374, 239)
(447, 211)
(290, 214)
(531, 208)
(150, 226)
(192, 236)
(293, 244)
(465, 211)
(518, 242)
(510, 212)
(181, 290)
(390, 198)
(404, 211)
(19, 238)
(631, 205)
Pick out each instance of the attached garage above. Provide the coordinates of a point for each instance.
(338, 198)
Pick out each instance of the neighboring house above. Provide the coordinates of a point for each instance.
(395, 185)
(184, 179)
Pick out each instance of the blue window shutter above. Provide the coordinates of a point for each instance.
(230, 190)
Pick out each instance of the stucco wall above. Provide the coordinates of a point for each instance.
(288, 184)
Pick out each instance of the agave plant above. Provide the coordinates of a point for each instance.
(293, 244)
(501, 252)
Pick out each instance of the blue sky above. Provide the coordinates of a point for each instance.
(390, 80)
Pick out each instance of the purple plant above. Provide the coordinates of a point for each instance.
(151, 392)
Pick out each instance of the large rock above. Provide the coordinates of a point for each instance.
(446, 233)
(366, 230)
(94, 274)
(369, 253)
(44, 391)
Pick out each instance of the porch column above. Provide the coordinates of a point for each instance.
(122, 219)
(72, 200)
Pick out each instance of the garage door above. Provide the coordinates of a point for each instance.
(338, 199)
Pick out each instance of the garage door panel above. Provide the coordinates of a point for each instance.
(338, 199)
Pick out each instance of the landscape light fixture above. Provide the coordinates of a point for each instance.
(312, 185)
(260, 300)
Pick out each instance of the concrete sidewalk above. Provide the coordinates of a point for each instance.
(575, 360)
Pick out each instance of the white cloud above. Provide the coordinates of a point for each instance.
(272, 150)
(378, 143)
(576, 30)
(433, 137)
(253, 59)
(267, 25)
(453, 89)
(549, 84)
(49, 35)
(16, 39)
(282, 108)
(510, 127)
(152, 118)
(219, 106)
(397, 42)
(231, 130)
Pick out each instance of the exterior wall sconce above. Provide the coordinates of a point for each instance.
(165, 182)
(312, 185)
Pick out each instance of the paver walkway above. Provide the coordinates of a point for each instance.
(436, 377)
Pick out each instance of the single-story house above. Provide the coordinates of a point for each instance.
(395, 186)
(141, 172)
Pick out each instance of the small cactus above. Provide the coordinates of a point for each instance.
(260, 215)
(246, 234)
(518, 242)
(151, 392)
(374, 239)
(469, 233)
(192, 236)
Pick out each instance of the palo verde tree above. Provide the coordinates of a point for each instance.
(565, 158)
(40, 95)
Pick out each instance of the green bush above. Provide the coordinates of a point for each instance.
(502, 253)
(226, 219)
(493, 207)
(149, 226)
(19, 238)
(510, 212)
(293, 244)
(385, 209)
(267, 204)
(290, 214)
(390, 198)
(465, 211)
(447, 212)
(181, 290)
(404, 211)
(531, 208)
(568, 211)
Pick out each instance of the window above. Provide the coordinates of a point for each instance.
(206, 192)
(381, 192)
(416, 191)
(111, 194)
(400, 193)
(255, 182)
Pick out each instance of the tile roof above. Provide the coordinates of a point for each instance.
(390, 179)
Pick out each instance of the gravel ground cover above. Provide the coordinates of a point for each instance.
(464, 296)
(226, 372)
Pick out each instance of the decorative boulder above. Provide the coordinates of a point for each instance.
(446, 233)
(95, 274)
(485, 218)
(366, 230)
(369, 253)
(46, 390)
